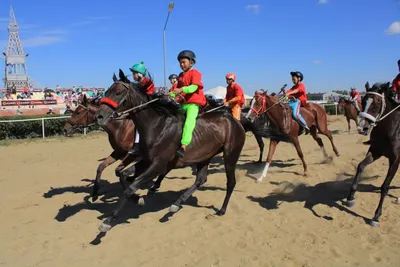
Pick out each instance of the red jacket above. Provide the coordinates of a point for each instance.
(396, 86)
(355, 93)
(149, 85)
(301, 94)
(233, 91)
(190, 77)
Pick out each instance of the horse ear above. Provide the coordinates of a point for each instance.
(367, 87)
(266, 92)
(85, 100)
(121, 75)
(115, 78)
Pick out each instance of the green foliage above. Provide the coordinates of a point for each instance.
(30, 129)
(330, 110)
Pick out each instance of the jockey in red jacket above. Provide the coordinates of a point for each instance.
(355, 97)
(396, 83)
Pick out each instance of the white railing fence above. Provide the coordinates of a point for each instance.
(43, 122)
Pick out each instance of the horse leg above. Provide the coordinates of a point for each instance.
(319, 141)
(348, 124)
(323, 129)
(272, 146)
(156, 184)
(201, 178)
(260, 143)
(393, 166)
(125, 177)
(371, 156)
(147, 175)
(107, 162)
(128, 159)
(296, 144)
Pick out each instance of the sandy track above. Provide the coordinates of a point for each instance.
(288, 220)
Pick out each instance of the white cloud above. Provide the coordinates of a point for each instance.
(394, 28)
(42, 41)
(254, 8)
(318, 62)
(90, 20)
(55, 32)
(322, 1)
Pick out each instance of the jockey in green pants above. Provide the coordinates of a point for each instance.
(190, 88)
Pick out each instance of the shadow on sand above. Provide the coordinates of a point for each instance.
(331, 194)
(109, 196)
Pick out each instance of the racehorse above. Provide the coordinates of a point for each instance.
(160, 127)
(382, 114)
(121, 135)
(280, 117)
(350, 111)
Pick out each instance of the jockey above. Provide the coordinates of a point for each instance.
(396, 84)
(139, 72)
(355, 98)
(173, 78)
(234, 95)
(189, 82)
(298, 98)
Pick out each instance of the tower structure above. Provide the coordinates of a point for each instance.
(15, 58)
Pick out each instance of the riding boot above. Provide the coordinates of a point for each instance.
(307, 130)
(181, 152)
(134, 150)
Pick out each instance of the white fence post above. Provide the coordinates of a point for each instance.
(84, 131)
(43, 128)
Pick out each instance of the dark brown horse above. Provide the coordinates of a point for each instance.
(160, 127)
(121, 135)
(350, 111)
(382, 114)
(280, 118)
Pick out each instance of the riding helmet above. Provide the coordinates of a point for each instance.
(139, 68)
(297, 74)
(231, 76)
(187, 54)
(173, 76)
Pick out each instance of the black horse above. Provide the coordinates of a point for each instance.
(382, 114)
(160, 128)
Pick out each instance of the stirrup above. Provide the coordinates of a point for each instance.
(180, 152)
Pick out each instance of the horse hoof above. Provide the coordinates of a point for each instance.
(337, 154)
(141, 202)
(351, 203)
(221, 212)
(104, 228)
(305, 174)
(396, 201)
(259, 180)
(174, 208)
(94, 198)
(374, 224)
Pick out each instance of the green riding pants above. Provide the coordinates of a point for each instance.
(192, 111)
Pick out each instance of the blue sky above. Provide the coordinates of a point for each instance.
(335, 43)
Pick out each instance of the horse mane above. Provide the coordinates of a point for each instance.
(165, 109)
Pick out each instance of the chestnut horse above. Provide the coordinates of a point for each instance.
(280, 118)
(160, 128)
(382, 114)
(121, 135)
(350, 111)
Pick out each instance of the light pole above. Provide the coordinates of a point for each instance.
(170, 7)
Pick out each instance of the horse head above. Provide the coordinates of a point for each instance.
(121, 96)
(258, 105)
(373, 105)
(83, 115)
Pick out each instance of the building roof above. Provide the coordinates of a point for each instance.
(220, 91)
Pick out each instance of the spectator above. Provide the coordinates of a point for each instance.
(68, 111)
(19, 112)
(50, 111)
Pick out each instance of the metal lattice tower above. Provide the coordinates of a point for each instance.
(15, 58)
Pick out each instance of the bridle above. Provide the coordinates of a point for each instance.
(87, 109)
(116, 106)
(379, 117)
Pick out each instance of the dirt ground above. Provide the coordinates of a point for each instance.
(288, 220)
